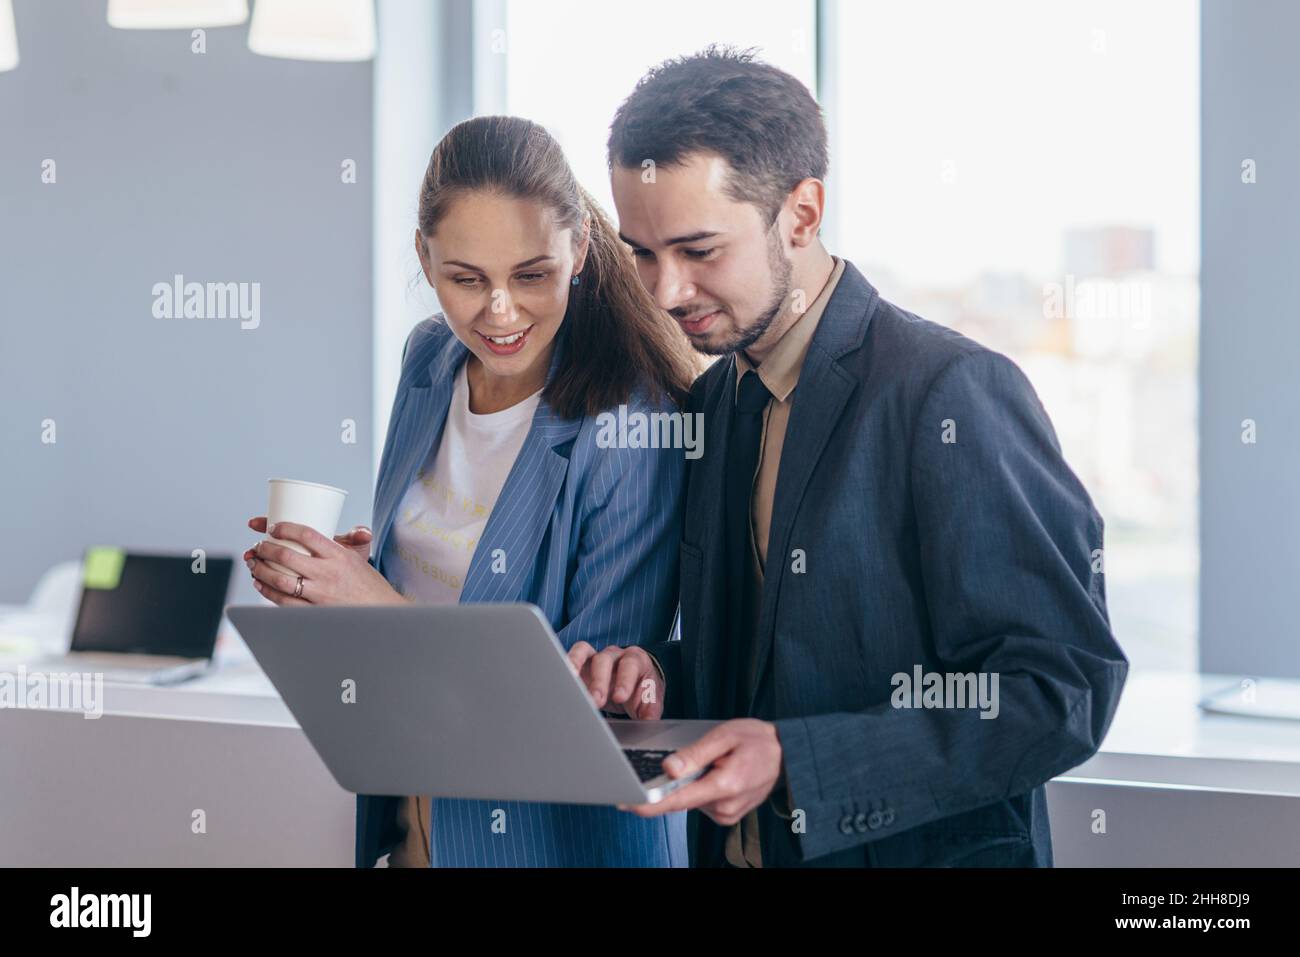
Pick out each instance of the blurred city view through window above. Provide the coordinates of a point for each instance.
(1028, 174)
(1024, 173)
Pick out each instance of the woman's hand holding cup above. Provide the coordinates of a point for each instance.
(358, 539)
(334, 572)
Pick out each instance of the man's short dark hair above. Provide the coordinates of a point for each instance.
(760, 119)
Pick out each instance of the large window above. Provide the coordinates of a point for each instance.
(1027, 173)
(570, 63)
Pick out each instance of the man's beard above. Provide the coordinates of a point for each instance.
(781, 270)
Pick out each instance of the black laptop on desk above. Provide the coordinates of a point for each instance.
(145, 619)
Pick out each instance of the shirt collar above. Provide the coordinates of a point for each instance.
(780, 370)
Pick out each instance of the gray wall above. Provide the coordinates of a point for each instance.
(1250, 338)
(223, 167)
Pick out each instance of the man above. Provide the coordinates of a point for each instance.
(891, 580)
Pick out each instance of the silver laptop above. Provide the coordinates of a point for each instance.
(144, 618)
(459, 701)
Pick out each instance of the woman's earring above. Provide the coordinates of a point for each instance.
(576, 279)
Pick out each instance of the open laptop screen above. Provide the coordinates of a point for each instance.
(150, 604)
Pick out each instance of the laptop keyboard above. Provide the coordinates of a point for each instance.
(647, 764)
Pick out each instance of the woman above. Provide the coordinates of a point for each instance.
(493, 487)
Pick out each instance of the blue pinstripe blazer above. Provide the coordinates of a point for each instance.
(598, 532)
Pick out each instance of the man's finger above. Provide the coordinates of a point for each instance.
(578, 656)
(627, 678)
(725, 812)
(701, 753)
(647, 707)
(600, 668)
(706, 790)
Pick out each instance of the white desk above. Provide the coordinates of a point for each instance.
(123, 789)
(1182, 788)
(1178, 787)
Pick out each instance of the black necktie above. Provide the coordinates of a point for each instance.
(742, 461)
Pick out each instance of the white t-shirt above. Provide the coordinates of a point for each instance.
(444, 511)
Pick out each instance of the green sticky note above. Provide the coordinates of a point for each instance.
(103, 566)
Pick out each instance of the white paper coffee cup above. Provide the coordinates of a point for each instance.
(306, 503)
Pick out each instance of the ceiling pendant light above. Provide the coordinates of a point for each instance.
(8, 37)
(314, 29)
(175, 14)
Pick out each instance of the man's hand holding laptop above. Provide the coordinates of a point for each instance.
(745, 753)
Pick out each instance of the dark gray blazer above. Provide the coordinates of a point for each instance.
(923, 516)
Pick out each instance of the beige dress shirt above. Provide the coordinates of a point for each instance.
(780, 373)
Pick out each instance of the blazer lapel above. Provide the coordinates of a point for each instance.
(416, 427)
(819, 400)
(708, 475)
